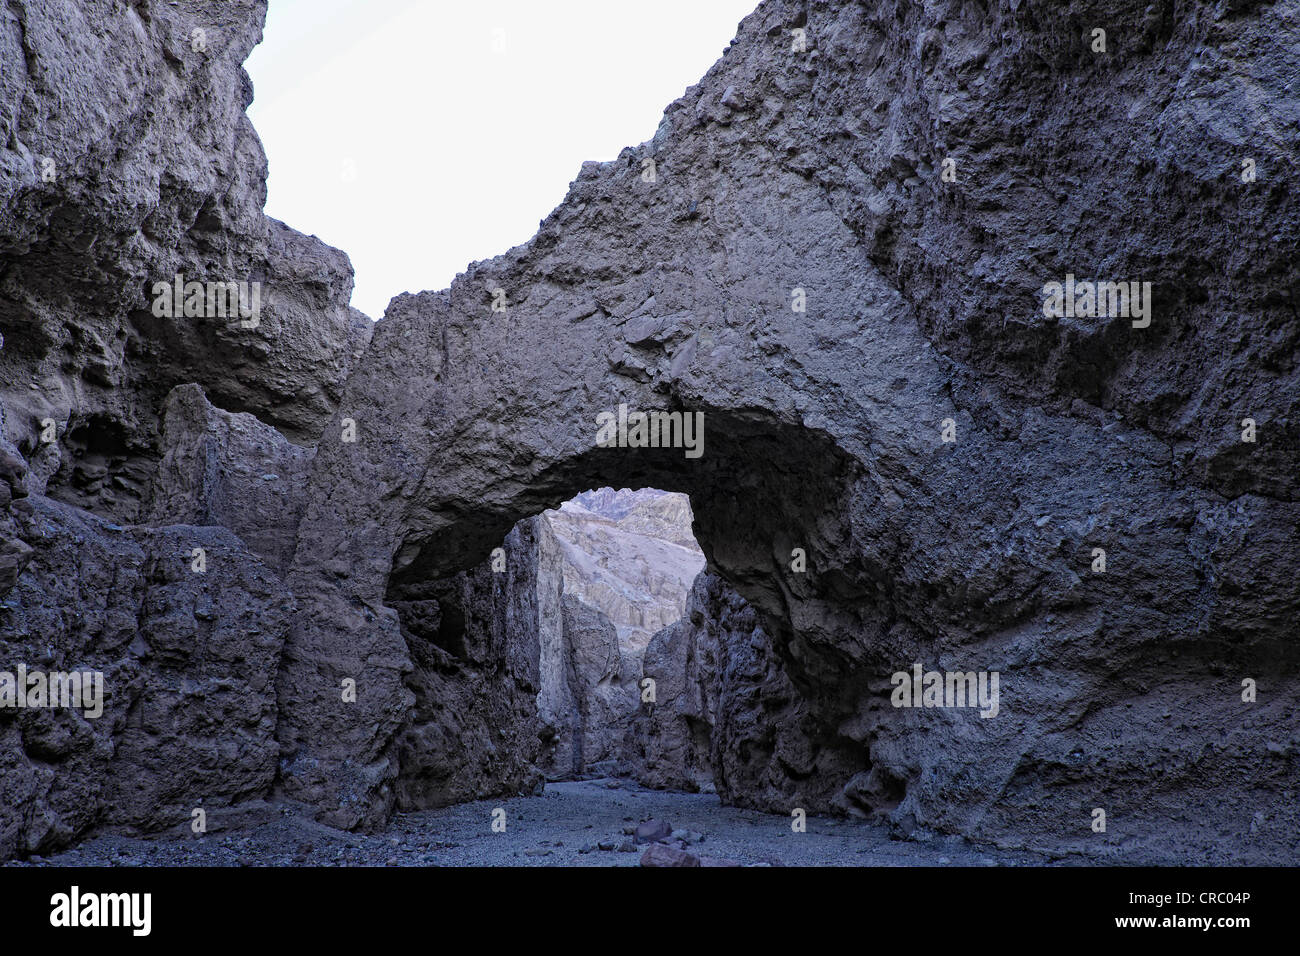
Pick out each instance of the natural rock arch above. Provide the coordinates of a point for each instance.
(767, 291)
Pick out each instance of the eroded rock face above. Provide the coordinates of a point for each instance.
(629, 554)
(14, 551)
(474, 681)
(798, 270)
(102, 198)
(670, 746)
(232, 471)
(188, 660)
(905, 460)
(602, 680)
(728, 718)
(126, 160)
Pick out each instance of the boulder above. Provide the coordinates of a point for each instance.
(659, 854)
(653, 831)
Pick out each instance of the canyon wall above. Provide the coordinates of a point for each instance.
(144, 531)
(907, 459)
(529, 665)
(834, 249)
(628, 561)
(185, 622)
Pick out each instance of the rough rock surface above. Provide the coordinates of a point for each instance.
(15, 553)
(474, 648)
(834, 249)
(669, 746)
(188, 659)
(730, 719)
(126, 159)
(818, 186)
(229, 470)
(601, 679)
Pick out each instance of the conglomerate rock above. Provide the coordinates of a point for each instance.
(832, 263)
(906, 459)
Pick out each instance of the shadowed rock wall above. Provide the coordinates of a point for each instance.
(126, 159)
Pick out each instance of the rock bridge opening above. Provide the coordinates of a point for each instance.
(604, 577)
(594, 636)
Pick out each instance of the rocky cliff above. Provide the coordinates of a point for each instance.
(630, 555)
(828, 274)
(144, 529)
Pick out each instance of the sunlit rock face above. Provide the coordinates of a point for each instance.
(628, 560)
(630, 555)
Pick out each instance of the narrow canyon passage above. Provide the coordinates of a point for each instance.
(627, 560)
(596, 618)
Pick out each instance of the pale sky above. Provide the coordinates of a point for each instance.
(421, 135)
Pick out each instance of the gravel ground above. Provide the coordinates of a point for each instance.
(580, 823)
